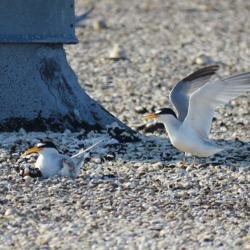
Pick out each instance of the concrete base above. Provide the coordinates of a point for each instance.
(39, 92)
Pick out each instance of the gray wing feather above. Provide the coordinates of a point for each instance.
(60, 164)
(182, 91)
(204, 101)
(86, 150)
(80, 157)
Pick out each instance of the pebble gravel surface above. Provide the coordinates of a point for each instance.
(130, 195)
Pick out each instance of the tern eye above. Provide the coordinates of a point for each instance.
(165, 111)
(46, 144)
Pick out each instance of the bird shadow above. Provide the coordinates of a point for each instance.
(159, 149)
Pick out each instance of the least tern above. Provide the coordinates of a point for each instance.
(50, 162)
(195, 100)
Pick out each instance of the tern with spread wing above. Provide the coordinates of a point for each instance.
(50, 162)
(195, 100)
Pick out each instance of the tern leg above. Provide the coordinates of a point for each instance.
(183, 164)
(191, 166)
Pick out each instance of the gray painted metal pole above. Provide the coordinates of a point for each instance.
(38, 89)
(37, 21)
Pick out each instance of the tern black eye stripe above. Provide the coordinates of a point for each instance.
(47, 144)
(165, 111)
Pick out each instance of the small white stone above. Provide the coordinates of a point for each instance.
(67, 132)
(97, 160)
(189, 169)
(118, 52)
(26, 171)
(114, 125)
(204, 59)
(99, 24)
(11, 211)
(27, 179)
(113, 141)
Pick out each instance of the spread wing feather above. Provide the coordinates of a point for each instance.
(182, 91)
(205, 100)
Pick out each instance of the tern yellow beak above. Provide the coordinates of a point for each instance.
(150, 116)
(32, 150)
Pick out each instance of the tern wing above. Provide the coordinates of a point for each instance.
(68, 166)
(182, 91)
(205, 100)
(78, 155)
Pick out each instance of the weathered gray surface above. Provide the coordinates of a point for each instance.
(39, 92)
(47, 21)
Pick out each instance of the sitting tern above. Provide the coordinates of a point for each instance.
(50, 162)
(195, 100)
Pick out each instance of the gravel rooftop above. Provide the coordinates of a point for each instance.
(129, 195)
